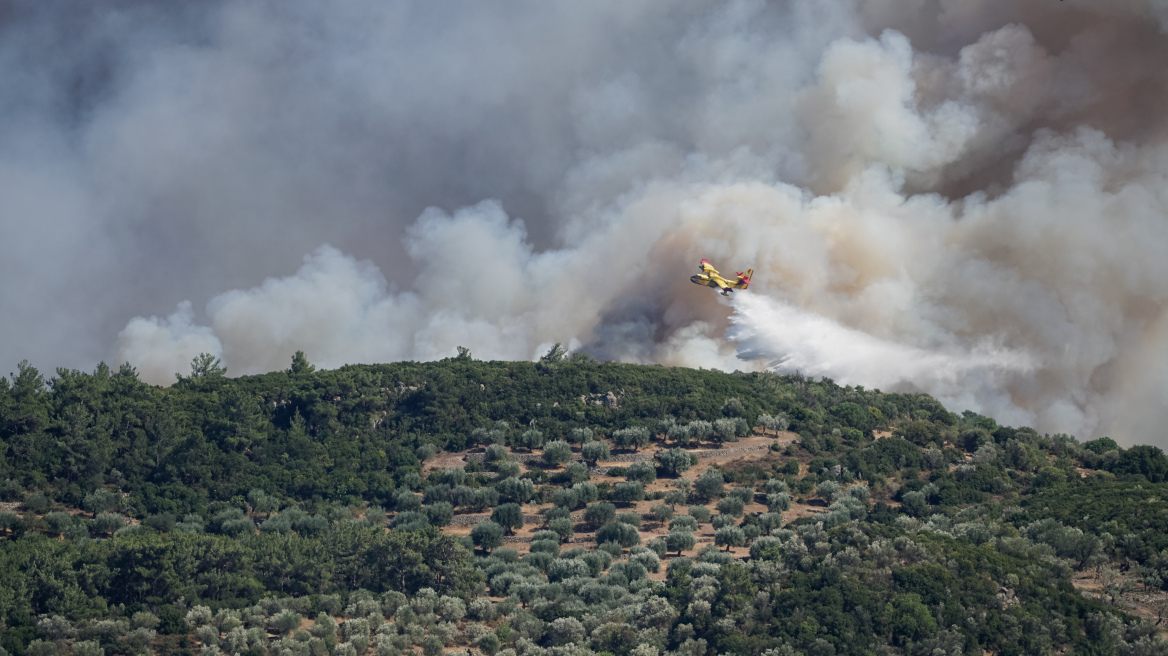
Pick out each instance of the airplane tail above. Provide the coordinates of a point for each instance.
(744, 278)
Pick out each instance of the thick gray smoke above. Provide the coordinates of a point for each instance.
(963, 197)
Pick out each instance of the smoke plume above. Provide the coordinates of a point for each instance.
(964, 198)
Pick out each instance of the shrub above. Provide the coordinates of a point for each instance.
(236, 527)
(751, 531)
(488, 644)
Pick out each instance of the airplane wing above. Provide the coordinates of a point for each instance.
(707, 269)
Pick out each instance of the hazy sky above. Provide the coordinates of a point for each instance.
(965, 197)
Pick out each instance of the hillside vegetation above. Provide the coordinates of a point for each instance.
(559, 508)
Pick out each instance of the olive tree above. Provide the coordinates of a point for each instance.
(731, 536)
(633, 437)
(531, 439)
(674, 461)
(594, 451)
(641, 471)
(556, 452)
(709, 485)
(599, 514)
(679, 541)
(509, 516)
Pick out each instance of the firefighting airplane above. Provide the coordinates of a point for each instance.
(711, 278)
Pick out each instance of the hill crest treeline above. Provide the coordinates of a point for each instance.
(291, 514)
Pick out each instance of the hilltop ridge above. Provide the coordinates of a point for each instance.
(757, 513)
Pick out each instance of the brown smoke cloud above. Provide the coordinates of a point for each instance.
(966, 198)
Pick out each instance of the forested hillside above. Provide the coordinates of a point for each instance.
(556, 508)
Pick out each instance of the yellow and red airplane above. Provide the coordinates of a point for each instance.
(711, 278)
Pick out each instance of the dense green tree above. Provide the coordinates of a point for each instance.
(300, 364)
(487, 536)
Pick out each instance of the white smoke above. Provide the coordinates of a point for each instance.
(790, 339)
(962, 198)
(163, 347)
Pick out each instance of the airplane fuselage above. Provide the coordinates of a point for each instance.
(709, 277)
(717, 282)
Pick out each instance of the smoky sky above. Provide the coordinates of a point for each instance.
(965, 198)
